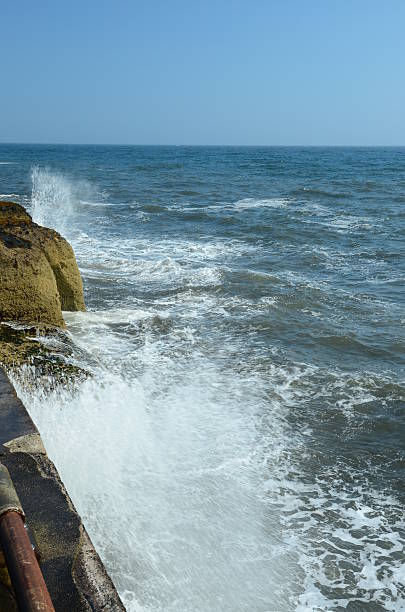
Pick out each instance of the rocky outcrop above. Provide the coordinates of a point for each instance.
(39, 276)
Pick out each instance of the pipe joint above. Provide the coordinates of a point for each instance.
(9, 501)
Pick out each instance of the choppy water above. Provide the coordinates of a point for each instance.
(245, 328)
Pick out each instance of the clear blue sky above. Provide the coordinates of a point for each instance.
(267, 72)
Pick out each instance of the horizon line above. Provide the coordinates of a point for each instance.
(117, 144)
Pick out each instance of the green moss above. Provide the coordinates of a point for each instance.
(19, 346)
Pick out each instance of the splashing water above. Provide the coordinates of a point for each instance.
(171, 490)
(233, 449)
(166, 471)
(51, 200)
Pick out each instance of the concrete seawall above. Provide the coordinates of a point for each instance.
(74, 574)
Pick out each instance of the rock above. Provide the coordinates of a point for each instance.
(39, 276)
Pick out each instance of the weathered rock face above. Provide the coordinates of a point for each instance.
(39, 276)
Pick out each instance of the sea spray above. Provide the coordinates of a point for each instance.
(56, 199)
(51, 200)
(166, 471)
(247, 373)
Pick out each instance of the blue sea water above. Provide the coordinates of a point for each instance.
(245, 417)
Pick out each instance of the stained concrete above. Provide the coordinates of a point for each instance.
(73, 572)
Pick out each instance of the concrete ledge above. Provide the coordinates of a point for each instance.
(75, 576)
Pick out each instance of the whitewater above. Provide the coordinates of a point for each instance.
(238, 445)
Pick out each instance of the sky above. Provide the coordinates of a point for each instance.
(201, 72)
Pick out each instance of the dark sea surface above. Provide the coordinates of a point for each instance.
(245, 419)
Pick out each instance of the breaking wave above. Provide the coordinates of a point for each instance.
(233, 448)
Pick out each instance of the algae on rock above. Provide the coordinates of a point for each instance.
(46, 350)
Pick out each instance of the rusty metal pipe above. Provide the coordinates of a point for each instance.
(26, 577)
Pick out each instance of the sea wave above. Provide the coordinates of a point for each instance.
(244, 376)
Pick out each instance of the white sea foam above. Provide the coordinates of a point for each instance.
(238, 206)
(351, 222)
(186, 454)
(191, 450)
(313, 209)
(11, 196)
(342, 223)
(362, 558)
(249, 203)
(180, 261)
(180, 474)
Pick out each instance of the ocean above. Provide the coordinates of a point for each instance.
(239, 445)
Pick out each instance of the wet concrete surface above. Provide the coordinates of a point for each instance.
(75, 577)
